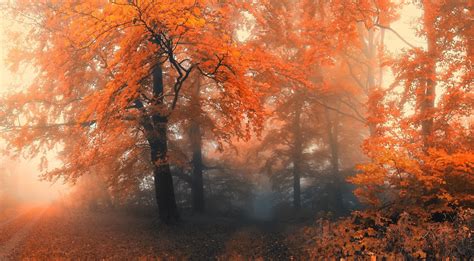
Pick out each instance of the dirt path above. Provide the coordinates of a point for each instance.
(58, 233)
(16, 229)
(12, 216)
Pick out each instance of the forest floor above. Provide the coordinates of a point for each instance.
(52, 232)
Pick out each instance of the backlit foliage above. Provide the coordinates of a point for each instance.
(94, 60)
(419, 179)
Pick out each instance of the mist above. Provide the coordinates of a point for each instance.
(21, 183)
(236, 130)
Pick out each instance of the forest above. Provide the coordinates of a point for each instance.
(237, 130)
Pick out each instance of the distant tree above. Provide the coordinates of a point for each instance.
(319, 37)
(423, 150)
(418, 184)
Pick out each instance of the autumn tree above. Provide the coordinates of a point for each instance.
(424, 143)
(319, 37)
(198, 135)
(418, 183)
(418, 179)
(110, 75)
(276, 29)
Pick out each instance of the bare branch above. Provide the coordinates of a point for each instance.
(397, 34)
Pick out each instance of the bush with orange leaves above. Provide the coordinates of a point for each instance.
(373, 234)
(420, 203)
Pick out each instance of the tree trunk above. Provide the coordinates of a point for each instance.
(197, 178)
(297, 154)
(371, 58)
(164, 187)
(428, 94)
(370, 55)
(195, 134)
(368, 40)
(336, 204)
(158, 139)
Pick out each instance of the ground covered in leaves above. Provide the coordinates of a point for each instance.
(53, 232)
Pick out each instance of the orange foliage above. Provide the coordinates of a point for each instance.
(93, 97)
(95, 59)
(422, 153)
(419, 180)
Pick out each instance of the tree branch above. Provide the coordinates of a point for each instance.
(397, 34)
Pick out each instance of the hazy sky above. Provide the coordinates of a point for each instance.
(27, 168)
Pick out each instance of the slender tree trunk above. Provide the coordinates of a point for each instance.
(335, 187)
(297, 154)
(428, 94)
(370, 54)
(164, 188)
(371, 58)
(368, 38)
(197, 186)
(197, 178)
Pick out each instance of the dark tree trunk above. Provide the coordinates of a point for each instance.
(164, 187)
(158, 139)
(196, 147)
(335, 190)
(197, 186)
(297, 154)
